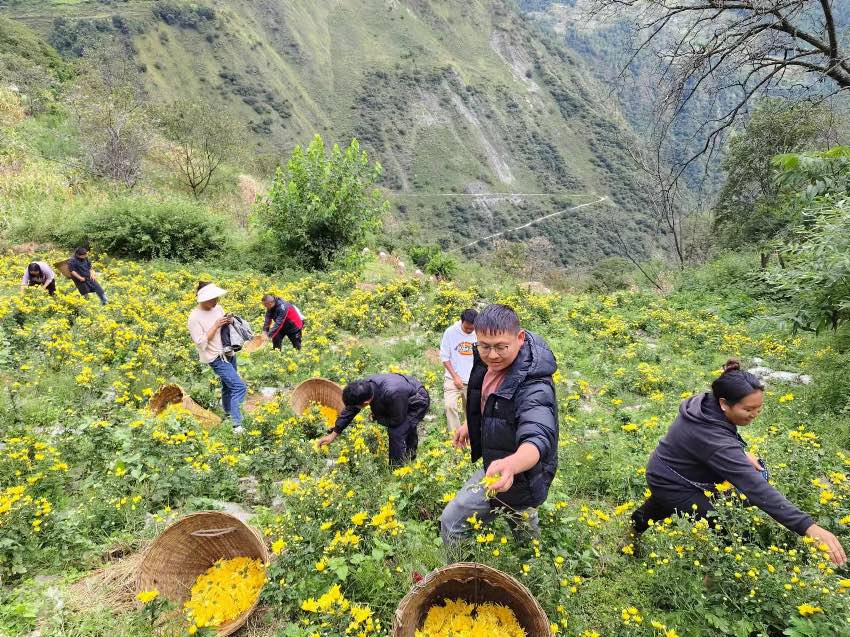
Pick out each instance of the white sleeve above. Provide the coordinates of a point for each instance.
(446, 347)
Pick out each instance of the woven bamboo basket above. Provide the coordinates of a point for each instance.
(176, 395)
(187, 548)
(316, 390)
(63, 267)
(475, 584)
(253, 345)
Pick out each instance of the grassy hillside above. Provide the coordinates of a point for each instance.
(451, 97)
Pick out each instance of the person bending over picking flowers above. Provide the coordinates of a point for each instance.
(205, 326)
(512, 423)
(282, 319)
(398, 402)
(702, 449)
(41, 274)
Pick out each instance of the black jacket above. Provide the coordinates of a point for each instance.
(390, 404)
(701, 449)
(524, 409)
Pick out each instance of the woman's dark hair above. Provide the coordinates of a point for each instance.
(81, 251)
(735, 383)
(357, 392)
(202, 284)
(468, 316)
(34, 268)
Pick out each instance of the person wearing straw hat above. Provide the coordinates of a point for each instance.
(205, 326)
(398, 402)
(512, 424)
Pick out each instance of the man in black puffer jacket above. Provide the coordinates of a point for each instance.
(398, 402)
(512, 418)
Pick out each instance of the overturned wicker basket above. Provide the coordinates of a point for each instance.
(316, 390)
(476, 584)
(176, 395)
(187, 548)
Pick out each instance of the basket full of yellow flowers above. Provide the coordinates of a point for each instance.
(470, 600)
(210, 564)
(323, 392)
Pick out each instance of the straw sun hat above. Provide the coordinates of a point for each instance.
(210, 292)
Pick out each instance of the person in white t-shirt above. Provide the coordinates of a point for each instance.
(205, 324)
(456, 355)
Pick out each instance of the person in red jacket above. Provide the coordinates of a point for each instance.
(282, 319)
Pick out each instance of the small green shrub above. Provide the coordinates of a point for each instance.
(135, 227)
(421, 255)
(441, 265)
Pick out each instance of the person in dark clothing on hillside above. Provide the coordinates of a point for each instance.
(512, 423)
(282, 319)
(398, 402)
(83, 275)
(702, 449)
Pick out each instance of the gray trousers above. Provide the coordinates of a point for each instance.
(471, 499)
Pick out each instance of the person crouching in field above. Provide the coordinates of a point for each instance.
(207, 322)
(398, 402)
(512, 423)
(39, 273)
(702, 448)
(282, 319)
(84, 276)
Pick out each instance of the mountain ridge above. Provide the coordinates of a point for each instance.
(451, 97)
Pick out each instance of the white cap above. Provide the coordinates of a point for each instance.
(210, 292)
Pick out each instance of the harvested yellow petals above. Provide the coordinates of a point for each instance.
(458, 618)
(329, 415)
(226, 590)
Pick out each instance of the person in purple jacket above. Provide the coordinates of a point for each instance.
(702, 448)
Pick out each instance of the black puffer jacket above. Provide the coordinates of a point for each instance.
(524, 409)
(393, 397)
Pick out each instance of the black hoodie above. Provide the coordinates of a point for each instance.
(522, 410)
(704, 448)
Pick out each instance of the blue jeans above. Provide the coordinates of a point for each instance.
(233, 388)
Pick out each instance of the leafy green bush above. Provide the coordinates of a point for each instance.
(441, 265)
(183, 15)
(136, 227)
(321, 206)
(421, 255)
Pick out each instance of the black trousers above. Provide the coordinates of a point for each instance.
(404, 439)
(294, 338)
(662, 504)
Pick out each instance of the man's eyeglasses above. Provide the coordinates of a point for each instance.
(499, 349)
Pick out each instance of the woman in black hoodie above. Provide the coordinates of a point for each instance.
(702, 448)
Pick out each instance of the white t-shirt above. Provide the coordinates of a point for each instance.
(456, 347)
(200, 322)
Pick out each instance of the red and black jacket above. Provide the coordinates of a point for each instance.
(282, 318)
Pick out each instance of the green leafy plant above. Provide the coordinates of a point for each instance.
(322, 203)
